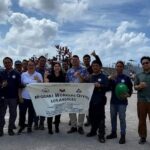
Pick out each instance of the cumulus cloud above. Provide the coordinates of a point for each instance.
(65, 10)
(43, 5)
(111, 45)
(28, 36)
(4, 10)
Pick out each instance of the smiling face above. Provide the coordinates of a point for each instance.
(86, 61)
(119, 68)
(57, 67)
(8, 63)
(75, 61)
(31, 66)
(96, 68)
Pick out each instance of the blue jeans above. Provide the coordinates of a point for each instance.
(121, 110)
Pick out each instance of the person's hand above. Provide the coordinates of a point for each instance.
(46, 73)
(112, 76)
(142, 85)
(77, 74)
(45, 76)
(97, 85)
(93, 53)
(124, 96)
(4, 83)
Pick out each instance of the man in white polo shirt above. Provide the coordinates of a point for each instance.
(30, 76)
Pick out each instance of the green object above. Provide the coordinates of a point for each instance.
(121, 89)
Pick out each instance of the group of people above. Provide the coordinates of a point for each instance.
(14, 92)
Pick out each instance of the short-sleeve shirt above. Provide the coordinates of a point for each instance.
(144, 94)
(27, 78)
(70, 76)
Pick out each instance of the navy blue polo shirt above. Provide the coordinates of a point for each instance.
(13, 79)
(98, 96)
(122, 78)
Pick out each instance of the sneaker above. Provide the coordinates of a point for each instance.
(80, 130)
(11, 132)
(72, 130)
(122, 139)
(90, 134)
(1, 133)
(142, 141)
(111, 136)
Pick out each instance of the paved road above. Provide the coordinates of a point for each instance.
(41, 140)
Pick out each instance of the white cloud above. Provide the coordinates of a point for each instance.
(43, 5)
(28, 36)
(72, 11)
(65, 10)
(4, 10)
(111, 45)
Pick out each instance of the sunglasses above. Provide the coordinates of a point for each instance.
(145, 63)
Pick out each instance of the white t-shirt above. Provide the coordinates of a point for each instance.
(27, 78)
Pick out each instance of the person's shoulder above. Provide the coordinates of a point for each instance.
(69, 70)
(24, 73)
(15, 72)
(37, 73)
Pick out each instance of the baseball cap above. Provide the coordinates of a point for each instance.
(18, 62)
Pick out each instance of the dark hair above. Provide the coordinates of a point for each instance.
(120, 62)
(24, 60)
(96, 62)
(31, 60)
(42, 57)
(75, 56)
(52, 71)
(7, 58)
(145, 57)
(86, 56)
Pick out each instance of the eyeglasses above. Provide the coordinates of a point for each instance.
(145, 63)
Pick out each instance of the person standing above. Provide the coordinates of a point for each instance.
(142, 85)
(119, 105)
(30, 76)
(98, 101)
(41, 68)
(87, 64)
(76, 74)
(56, 76)
(11, 84)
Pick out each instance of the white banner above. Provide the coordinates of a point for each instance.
(50, 99)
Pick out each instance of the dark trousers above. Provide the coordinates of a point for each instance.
(97, 118)
(26, 105)
(12, 104)
(39, 120)
(143, 109)
(50, 121)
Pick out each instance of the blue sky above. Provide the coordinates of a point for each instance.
(116, 30)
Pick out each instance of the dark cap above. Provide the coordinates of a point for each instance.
(18, 62)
